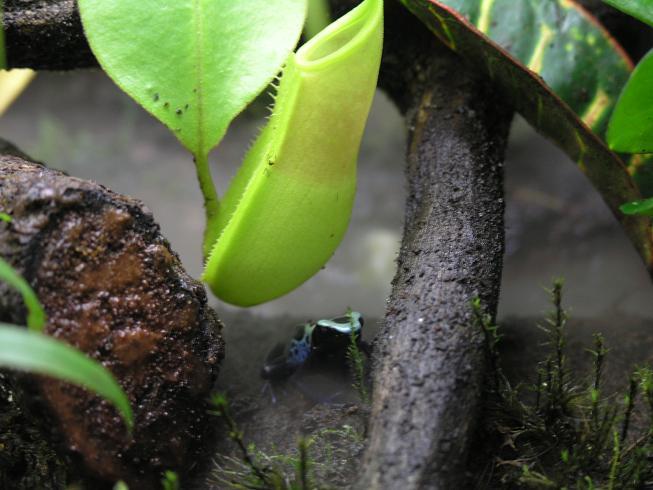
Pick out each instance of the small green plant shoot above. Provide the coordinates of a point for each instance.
(559, 432)
(316, 460)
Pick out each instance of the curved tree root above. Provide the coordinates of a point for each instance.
(112, 287)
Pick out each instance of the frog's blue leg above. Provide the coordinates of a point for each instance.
(273, 389)
(300, 349)
(267, 386)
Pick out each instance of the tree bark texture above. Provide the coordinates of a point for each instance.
(429, 361)
(112, 287)
(45, 35)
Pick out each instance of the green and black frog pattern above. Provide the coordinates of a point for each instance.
(312, 341)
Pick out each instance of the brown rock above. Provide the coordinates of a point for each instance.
(112, 287)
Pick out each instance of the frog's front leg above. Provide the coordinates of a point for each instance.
(267, 386)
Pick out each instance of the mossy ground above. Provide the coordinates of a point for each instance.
(562, 429)
(318, 406)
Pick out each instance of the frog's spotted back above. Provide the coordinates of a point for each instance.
(348, 324)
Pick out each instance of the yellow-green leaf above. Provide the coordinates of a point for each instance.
(289, 206)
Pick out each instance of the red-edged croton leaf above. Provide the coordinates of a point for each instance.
(533, 41)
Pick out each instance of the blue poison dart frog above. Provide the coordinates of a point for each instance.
(327, 338)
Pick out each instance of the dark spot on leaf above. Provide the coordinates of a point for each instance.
(186, 107)
(179, 112)
(166, 105)
(156, 97)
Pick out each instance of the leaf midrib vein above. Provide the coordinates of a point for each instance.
(199, 70)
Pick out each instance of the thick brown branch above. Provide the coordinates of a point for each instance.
(45, 35)
(429, 360)
(112, 287)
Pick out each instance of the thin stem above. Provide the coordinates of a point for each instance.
(235, 434)
(303, 464)
(559, 324)
(599, 358)
(538, 391)
(630, 406)
(211, 200)
(614, 465)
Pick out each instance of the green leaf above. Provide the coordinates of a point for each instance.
(638, 208)
(34, 352)
(640, 9)
(193, 64)
(5, 217)
(631, 125)
(563, 44)
(35, 314)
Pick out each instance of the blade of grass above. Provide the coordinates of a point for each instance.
(35, 314)
(34, 352)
